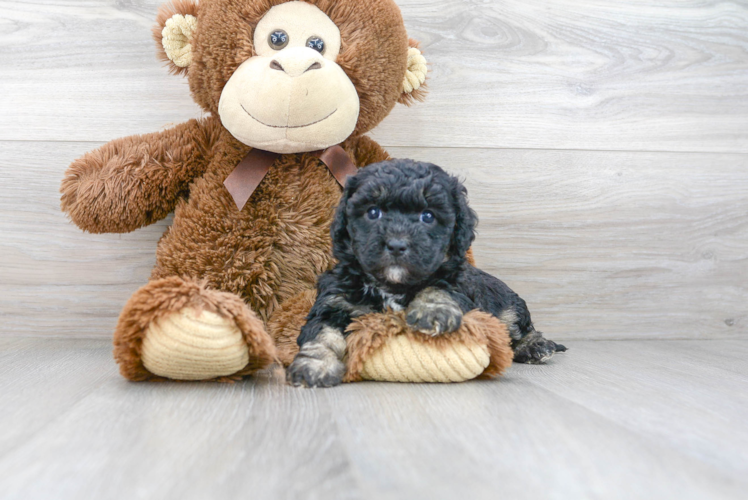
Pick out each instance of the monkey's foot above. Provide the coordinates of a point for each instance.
(193, 345)
(178, 329)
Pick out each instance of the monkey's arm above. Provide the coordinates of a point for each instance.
(137, 180)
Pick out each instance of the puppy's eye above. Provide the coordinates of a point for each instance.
(374, 213)
(427, 216)
(278, 39)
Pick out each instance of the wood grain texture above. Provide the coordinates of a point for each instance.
(29, 401)
(613, 244)
(683, 394)
(125, 440)
(609, 419)
(580, 74)
(55, 279)
(550, 74)
(84, 70)
(600, 244)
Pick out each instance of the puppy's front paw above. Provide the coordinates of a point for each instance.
(315, 372)
(319, 362)
(434, 312)
(535, 349)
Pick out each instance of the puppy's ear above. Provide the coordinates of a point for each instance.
(341, 239)
(465, 222)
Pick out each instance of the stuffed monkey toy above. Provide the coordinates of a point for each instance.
(289, 88)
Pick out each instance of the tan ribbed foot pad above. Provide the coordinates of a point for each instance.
(382, 347)
(401, 359)
(193, 345)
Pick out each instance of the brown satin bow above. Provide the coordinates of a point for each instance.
(248, 174)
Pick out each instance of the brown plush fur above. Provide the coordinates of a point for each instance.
(368, 333)
(161, 297)
(269, 254)
(275, 247)
(135, 181)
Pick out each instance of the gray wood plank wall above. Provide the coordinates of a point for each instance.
(604, 144)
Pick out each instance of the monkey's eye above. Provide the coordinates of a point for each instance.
(316, 43)
(427, 216)
(374, 213)
(278, 39)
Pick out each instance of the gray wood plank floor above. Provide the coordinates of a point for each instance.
(610, 419)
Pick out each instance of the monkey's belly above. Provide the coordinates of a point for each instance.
(273, 248)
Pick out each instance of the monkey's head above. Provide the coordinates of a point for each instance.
(293, 76)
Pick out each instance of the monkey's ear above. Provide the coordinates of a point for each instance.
(414, 83)
(175, 24)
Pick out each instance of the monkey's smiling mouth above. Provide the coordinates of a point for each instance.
(288, 126)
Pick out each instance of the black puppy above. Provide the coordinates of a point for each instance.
(400, 236)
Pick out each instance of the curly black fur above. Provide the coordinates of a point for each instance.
(400, 235)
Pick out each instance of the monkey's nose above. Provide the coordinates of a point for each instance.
(296, 61)
(397, 247)
(276, 65)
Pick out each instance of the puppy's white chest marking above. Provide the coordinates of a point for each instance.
(391, 300)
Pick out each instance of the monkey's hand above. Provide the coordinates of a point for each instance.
(434, 312)
(137, 180)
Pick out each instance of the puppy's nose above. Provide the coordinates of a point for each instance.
(397, 247)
